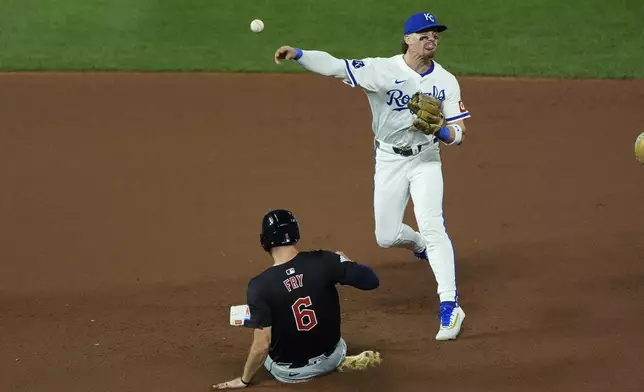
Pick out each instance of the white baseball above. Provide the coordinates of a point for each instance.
(256, 26)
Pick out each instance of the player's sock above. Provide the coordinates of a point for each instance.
(449, 296)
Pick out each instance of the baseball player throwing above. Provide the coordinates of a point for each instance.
(415, 103)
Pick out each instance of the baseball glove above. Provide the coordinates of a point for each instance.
(428, 111)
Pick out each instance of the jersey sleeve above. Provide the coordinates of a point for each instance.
(453, 106)
(260, 312)
(362, 73)
(348, 272)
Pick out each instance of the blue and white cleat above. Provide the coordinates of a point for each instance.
(451, 316)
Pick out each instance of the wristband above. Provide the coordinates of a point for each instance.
(444, 134)
(298, 54)
(458, 134)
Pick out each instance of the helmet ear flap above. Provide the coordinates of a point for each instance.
(265, 245)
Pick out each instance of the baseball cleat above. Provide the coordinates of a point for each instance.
(361, 361)
(451, 316)
(422, 255)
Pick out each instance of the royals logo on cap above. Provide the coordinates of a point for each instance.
(422, 21)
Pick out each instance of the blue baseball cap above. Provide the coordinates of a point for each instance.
(422, 21)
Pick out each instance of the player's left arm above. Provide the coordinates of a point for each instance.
(455, 115)
(260, 321)
(348, 272)
(453, 133)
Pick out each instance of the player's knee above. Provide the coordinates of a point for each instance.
(385, 239)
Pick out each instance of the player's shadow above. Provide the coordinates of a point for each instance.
(408, 285)
(405, 287)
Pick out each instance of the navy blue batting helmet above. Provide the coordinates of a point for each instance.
(279, 228)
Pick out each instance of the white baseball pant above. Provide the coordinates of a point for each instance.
(420, 176)
(317, 366)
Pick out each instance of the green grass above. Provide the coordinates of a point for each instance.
(575, 38)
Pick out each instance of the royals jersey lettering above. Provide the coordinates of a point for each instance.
(390, 83)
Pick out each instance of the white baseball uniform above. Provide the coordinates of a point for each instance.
(389, 84)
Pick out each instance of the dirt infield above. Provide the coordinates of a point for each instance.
(130, 212)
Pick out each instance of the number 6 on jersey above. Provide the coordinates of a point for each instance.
(305, 319)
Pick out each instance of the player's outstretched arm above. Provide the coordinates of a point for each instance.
(361, 276)
(260, 320)
(357, 275)
(313, 60)
(256, 357)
